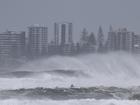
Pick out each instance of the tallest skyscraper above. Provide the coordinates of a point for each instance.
(63, 37)
(63, 33)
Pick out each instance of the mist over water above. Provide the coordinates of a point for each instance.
(113, 69)
(70, 102)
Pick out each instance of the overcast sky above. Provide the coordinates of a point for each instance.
(19, 14)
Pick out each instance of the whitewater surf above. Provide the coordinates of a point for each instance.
(119, 70)
(113, 69)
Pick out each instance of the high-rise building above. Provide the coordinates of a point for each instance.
(136, 43)
(38, 41)
(63, 33)
(63, 37)
(12, 44)
(111, 41)
(120, 40)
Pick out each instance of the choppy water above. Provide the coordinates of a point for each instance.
(114, 69)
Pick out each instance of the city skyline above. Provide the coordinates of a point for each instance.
(69, 52)
(52, 31)
(14, 44)
(18, 14)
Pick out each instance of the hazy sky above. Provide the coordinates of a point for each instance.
(19, 14)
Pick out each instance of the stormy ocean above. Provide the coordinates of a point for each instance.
(94, 79)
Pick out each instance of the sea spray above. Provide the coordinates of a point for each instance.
(69, 102)
(113, 69)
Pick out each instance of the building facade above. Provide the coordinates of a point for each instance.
(38, 41)
(63, 33)
(136, 43)
(12, 44)
(63, 38)
(120, 40)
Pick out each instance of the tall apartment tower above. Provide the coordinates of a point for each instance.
(12, 44)
(38, 40)
(136, 43)
(120, 40)
(63, 33)
(63, 39)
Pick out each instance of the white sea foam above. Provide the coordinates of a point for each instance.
(69, 102)
(114, 69)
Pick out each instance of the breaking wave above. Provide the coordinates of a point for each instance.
(113, 69)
